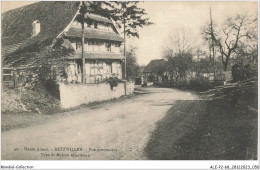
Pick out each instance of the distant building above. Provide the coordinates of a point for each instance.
(154, 71)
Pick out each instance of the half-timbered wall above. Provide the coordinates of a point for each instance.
(96, 71)
(96, 46)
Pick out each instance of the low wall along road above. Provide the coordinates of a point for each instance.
(72, 95)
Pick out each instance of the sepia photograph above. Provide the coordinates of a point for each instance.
(129, 80)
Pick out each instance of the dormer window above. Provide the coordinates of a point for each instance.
(36, 28)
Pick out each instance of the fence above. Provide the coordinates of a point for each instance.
(13, 77)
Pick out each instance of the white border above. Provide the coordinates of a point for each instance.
(135, 164)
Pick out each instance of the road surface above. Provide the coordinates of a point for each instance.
(114, 131)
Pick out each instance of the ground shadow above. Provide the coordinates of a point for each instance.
(204, 130)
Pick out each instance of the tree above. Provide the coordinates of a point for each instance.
(132, 68)
(248, 49)
(131, 17)
(179, 53)
(230, 37)
(181, 41)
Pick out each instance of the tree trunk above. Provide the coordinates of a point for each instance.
(225, 66)
(226, 62)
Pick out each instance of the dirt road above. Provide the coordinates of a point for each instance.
(118, 130)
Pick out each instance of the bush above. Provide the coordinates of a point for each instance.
(200, 84)
(113, 81)
(181, 84)
(52, 87)
(242, 72)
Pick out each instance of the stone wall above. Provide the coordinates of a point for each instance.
(72, 95)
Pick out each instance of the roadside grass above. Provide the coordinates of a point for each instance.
(223, 128)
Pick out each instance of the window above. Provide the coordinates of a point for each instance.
(91, 46)
(101, 26)
(108, 46)
(109, 68)
(102, 47)
(96, 46)
(78, 44)
(117, 48)
(86, 46)
(95, 25)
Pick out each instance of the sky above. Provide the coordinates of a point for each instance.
(168, 17)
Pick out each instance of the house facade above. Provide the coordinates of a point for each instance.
(49, 32)
(54, 24)
(101, 49)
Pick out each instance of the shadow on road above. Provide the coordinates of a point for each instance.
(204, 130)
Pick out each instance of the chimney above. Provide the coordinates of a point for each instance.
(36, 28)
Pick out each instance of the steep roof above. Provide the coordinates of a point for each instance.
(154, 65)
(10, 48)
(53, 16)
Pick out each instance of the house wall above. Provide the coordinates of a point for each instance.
(100, 25)
(96, 46)
(96, 71)
(72, 95)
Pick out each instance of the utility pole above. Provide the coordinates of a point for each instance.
(212, 48)
(125, 49)
(83, 11)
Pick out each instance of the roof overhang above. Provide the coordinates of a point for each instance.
(98, 18)
(105, 56)
(94, 34)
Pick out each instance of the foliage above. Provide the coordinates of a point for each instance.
(126, 14)
(180, 65)
(242, 72)
(130, 16)
(44, 72)
(113, 81)
(200, 83)
(132, 68)
(181, 84)
(179, 52)
(205, 66)
(52, 87)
